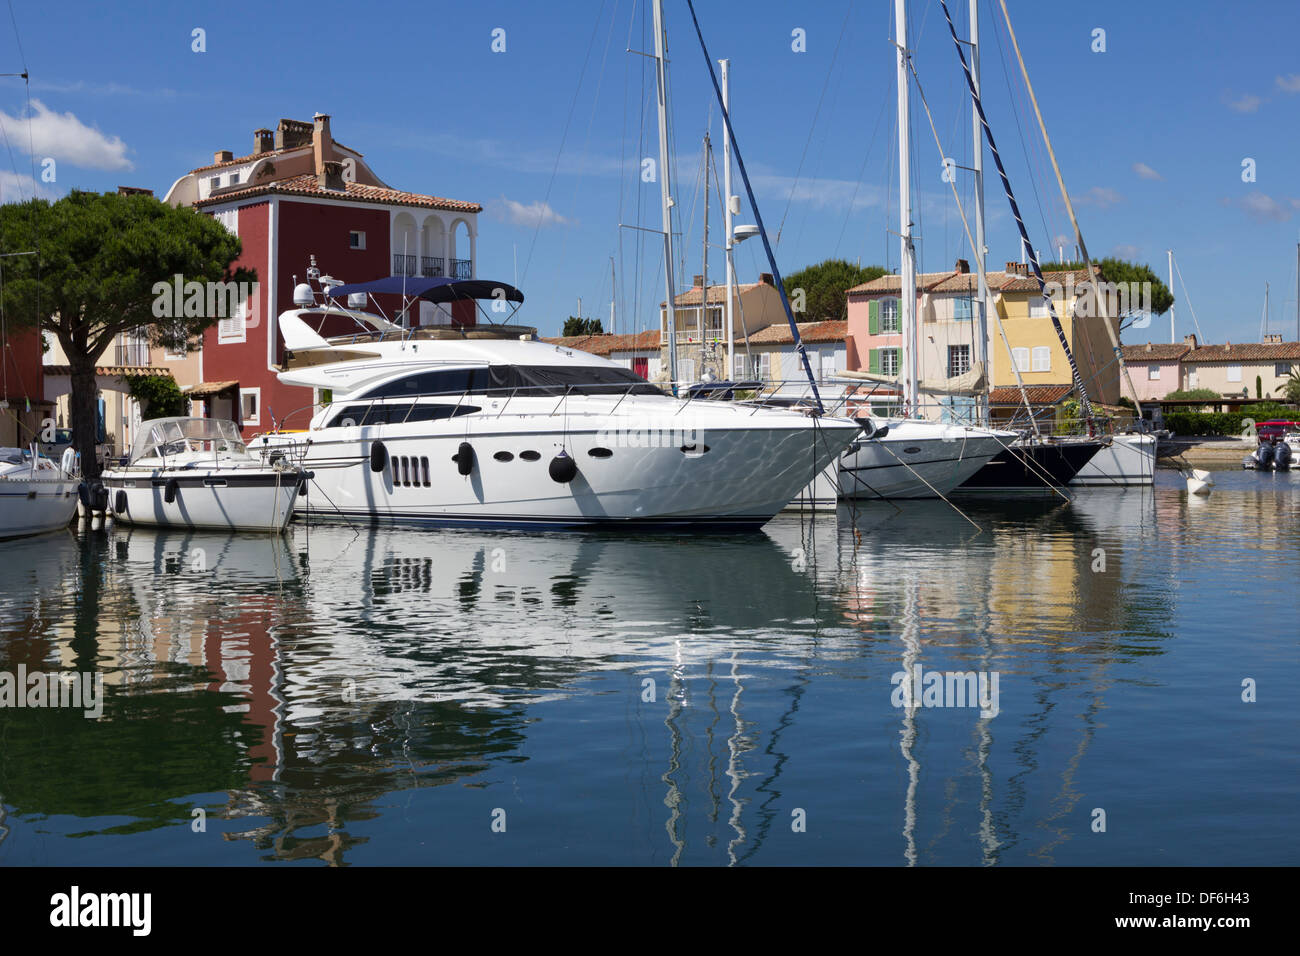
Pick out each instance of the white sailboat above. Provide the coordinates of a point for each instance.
(912, 457)
(36, 495)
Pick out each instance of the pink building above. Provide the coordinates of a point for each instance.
(1156, 368)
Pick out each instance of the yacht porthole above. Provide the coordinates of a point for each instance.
(504, 456)
(600, 453)
(530, 455)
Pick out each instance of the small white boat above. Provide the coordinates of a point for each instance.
(198, 473)
(36, 495)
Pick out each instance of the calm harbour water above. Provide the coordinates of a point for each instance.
(398, 696)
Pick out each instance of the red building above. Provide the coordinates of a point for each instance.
(299, 194)
(22, 388)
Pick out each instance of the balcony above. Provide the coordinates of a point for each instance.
(461, 269)
(131, 351)
(404, 265)
(431, 266)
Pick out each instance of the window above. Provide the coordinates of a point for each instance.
(1281, 370)
(250, 406)
(1042, 358)
(1021, 357)
(827, 365)
(890, 316)
(890, 361)
(397, 413)
(234, 179)
(714, 320)
(1153, 373)
(1038, 307)
(232, 328)
(356, 239)
(1193, 379)
(963, 308)
(958, 359)
(1234, 373)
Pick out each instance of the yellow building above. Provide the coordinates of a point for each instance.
(1035, 346)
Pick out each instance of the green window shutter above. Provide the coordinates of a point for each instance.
(873, 320)
(873, 360)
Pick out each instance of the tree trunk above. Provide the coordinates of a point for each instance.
(85, 416)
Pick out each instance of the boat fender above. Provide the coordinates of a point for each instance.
(563, 468)
(101, 496)
(169, 491)
(465, 458)
(378, 456)
(83, 495)
(69, 461)
(119, 503)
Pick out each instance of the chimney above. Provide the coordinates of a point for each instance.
(698, 283)
(963, 266)
(1227, 346)
(331, 177)
(290, 134)
(222, 156)
(322, 145)
(1190, 341)
(1273, 338)
(1148, 346)
(263, 141)
(766, 278)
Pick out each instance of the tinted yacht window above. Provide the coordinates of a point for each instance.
(396, 413)
(454, 381)
(573, 379)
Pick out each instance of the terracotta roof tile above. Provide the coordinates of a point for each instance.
(717, 294)
(1244, 351)
(306, 185)
(603, 345)
(1154, 352)
(113, 370)
(1038, 395)
(778, 333)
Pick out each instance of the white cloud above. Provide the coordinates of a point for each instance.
(532, 214)
(66, 138)
(1246, 103)
(1289, 83)
(1102, 197)
(1264, 208)
(1146, 172)
(1125, 251)
(22, 187)
(103, 89)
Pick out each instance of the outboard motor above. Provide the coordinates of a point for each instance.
(1282, 456)
(1264, 456)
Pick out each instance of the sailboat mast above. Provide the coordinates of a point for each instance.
(981, 248)
(704, 291)
(613, 295)
(665, 193)
(1173, 336)
(725, 66)
(907, 290)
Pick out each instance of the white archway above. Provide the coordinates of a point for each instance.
(405, 245)
(433, 242)
(460, 251)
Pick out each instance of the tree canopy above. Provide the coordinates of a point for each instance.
(1120, 272)
(824, 286)
(100, 261)
(576, 326)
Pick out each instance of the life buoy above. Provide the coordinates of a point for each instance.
(378, 456)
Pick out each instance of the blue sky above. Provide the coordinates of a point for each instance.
(1151, 133)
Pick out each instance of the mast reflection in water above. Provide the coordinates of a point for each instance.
(395, 696)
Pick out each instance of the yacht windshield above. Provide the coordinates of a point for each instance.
(175, 436)
(518, 379)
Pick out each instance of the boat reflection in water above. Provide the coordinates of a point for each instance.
(378, 696)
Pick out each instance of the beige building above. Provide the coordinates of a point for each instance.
(702, 325)
(1251, 370)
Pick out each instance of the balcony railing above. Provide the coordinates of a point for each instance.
(431, 266)
(461, 269)
(131, 353)
(404, 265)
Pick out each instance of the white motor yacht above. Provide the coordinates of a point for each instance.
(485, 425)
(36, 495)
(198, 473)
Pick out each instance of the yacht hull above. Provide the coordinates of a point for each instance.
(1127, 460)
(248, 500)
(724, 479)
(35, 506)
(916, 460)
(1033, 467)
